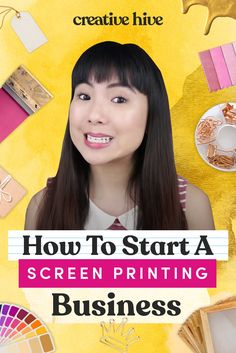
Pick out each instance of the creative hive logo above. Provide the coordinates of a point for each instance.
(21, 331)
(216, 8)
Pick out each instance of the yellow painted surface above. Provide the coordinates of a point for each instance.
(32, 151)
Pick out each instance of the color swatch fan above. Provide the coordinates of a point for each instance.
(22, 331)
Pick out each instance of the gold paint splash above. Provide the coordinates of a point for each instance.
(216, 8)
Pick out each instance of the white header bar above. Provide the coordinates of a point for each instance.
(116, 244)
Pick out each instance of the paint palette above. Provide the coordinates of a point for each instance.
(21, 331)
(215, 137)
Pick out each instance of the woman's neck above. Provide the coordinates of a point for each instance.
(108, 187)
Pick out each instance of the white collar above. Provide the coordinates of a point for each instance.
(100, 220)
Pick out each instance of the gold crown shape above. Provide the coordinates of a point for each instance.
(117, 337)
(216, 8)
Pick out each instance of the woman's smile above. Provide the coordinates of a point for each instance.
(97, 140)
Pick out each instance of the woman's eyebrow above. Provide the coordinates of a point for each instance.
(119, 84)
(110, 85)
(84, 82)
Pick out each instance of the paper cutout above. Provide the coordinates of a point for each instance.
(115, 336)
(219, 65)
(28, 31)
(21, 95)
(11, 192)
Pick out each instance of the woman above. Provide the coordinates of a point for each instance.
(117, 167)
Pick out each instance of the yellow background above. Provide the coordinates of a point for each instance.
(32, 151)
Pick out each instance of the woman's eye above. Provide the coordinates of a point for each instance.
(119, 100)
(84, 97)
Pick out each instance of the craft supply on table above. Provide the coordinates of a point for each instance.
(215, 137)
(25, 28)
(202, 331)
(229, 114)
(21, 331)
(20, 96)
(219, 66)
(117, 336)
(207, 129)
(11, 192)
(219, 159)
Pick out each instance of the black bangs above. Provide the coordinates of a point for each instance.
(103, 61)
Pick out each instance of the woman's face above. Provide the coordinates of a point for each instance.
(107, 121)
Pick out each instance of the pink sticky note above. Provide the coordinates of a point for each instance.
(230, 59)
(11, 114)
(234, 45)
(221, 67)
(209, 70)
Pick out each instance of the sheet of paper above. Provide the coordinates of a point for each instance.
(28, 31)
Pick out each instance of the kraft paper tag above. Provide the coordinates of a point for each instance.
(11, 192)
(28, 31)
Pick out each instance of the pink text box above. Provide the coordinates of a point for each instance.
(117, 273)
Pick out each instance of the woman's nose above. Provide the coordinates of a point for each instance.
(97, 114)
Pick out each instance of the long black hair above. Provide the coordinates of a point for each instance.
(153, 180)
